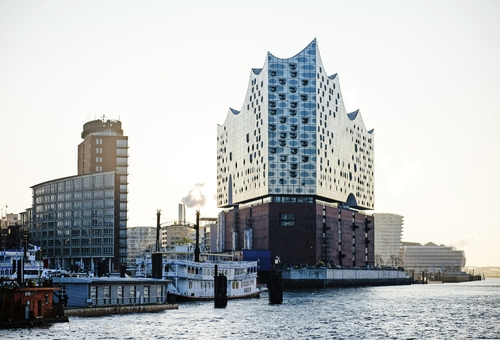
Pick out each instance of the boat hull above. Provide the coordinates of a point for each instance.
(32, 322)
(175, 298)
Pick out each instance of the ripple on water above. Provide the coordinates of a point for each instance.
(449, 311)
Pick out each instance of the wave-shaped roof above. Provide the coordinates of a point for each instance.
(353, 115)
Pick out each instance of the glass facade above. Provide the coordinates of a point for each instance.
(294, 137)
(74, 218)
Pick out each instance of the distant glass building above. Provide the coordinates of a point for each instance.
(388, 234)
(294, 168)
(82, 220)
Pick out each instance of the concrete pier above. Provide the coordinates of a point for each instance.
(125, 309)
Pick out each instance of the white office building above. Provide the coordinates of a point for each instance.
(433, 258)
(388, 234)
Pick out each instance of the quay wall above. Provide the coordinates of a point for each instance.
(123, 309)
(326, 277)
(460, 278)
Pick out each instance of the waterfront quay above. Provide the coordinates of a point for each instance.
(120, 309)
(342, 277)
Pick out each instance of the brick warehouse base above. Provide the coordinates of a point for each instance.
(303, 233)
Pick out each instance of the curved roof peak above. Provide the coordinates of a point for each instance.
(353, 115)
(357, 115)
(312, 44)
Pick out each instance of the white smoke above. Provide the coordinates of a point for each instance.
(195, 196)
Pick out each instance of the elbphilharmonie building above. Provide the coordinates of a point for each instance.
(294, 138)
(293, 164)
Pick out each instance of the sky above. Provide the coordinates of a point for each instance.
(425, 75)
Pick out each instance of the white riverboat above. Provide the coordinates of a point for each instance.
(190, 280)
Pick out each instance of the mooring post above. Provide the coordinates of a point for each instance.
(220, 289)
(197, 245)
(275, 286)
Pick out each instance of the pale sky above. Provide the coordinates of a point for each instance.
(425, 75)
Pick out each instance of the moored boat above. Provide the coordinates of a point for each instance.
(192, 280)
(29, 305)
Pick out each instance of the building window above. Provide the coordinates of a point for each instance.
(120, 161)
(107, 294)
(287, 220)
(121, 143)
(132, 294)
(159, 293)
(93, 294)
(119, 294)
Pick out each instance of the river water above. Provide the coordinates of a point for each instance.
(439, 311)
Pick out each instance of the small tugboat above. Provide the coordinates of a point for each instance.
(27, 299)
(29, 304)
